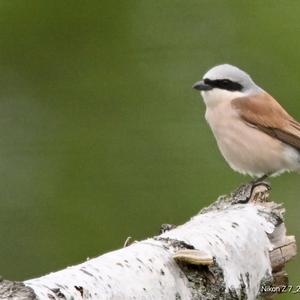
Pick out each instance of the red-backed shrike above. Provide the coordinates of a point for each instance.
(254, 133)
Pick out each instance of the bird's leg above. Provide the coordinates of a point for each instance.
(259, 179)
(244, 192)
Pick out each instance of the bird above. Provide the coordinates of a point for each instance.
(254, 133)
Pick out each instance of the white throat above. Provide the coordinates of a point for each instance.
(217, 96)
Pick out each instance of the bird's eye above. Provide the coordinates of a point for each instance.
(226, 81)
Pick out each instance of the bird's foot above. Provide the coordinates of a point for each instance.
(255, 191)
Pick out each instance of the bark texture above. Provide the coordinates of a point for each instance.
(234, 249)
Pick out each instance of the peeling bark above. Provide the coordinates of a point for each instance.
(229, 250)
(15, 290)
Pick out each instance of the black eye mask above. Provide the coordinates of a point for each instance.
(224, 84)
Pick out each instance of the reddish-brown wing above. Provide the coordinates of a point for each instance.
(266, 114)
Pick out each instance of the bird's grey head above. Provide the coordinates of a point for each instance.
(229, 78)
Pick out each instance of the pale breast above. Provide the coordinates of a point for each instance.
(245, 148)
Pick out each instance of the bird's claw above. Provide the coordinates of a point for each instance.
(254, 191)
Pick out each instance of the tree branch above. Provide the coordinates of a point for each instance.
(229, 250)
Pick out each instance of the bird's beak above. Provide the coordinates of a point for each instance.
(201, 86)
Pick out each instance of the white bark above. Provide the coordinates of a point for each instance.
(239, 237)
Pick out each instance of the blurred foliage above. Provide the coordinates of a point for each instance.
(102, 136)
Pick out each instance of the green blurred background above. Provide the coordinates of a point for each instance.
(101, 134)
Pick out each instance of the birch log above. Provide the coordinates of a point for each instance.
(229, 250)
